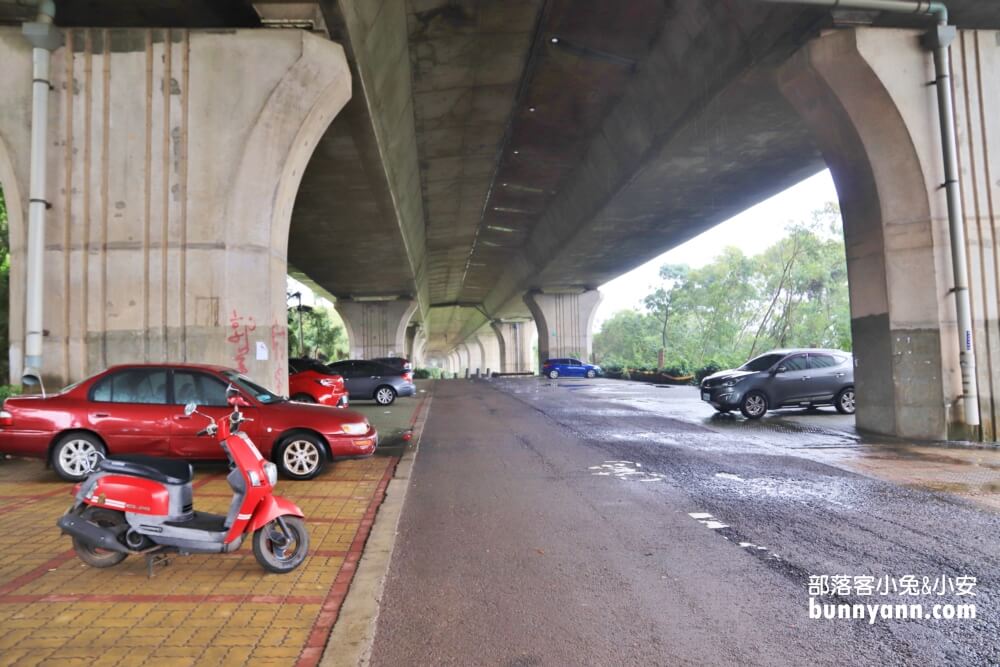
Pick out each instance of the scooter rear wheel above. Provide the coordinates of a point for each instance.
(95, 556)
(277, 551)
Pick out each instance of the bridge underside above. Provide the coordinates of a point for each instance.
(497, 161)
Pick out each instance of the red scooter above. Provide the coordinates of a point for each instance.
(143, 505)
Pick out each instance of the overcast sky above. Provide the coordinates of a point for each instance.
(751, 231)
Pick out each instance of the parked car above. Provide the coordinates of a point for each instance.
(139, 409)
(367, 380)
(569, 368)
(783, 378)
(311, 381)
(399, 363)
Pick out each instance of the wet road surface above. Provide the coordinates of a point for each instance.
(603, 522)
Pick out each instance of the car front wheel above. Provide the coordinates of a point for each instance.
(76, 455)
(553, 374)
(754, 405)
(301, 456)
(845, 401)
(385, 395)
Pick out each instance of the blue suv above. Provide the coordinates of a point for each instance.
(569, 368)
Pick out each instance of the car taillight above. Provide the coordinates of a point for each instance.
(408, 376)
(6, 419)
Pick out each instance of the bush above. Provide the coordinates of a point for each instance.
(706, 370)
(427, 374)
(8, 390)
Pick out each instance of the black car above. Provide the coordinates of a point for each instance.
(783, 378)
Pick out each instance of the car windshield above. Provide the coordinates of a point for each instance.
(761, 363)
(248, 385)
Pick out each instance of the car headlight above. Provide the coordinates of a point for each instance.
(355, 429)
(733, 382)
(272, 473)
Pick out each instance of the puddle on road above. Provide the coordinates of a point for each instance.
(829, 490)
(629, 471)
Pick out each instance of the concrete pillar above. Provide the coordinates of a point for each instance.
(864, 94)
(419, 354)
(464, 359)
(565, 322)
(174, 159)
(514, 342)
(376, 328)
(491, 350)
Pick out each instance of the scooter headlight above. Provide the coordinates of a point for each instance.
(272, 473)
(254, 478)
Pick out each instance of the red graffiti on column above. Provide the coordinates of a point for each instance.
(279, 348)
(240, 337)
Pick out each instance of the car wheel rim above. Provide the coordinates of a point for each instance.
(78, 457)
(384, 396)
(554, 375)
(301, 457)
(847, 401)
(755, 405)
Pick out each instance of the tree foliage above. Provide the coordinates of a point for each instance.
(322, 333)
(794, 294)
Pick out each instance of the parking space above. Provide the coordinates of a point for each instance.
(199, 609)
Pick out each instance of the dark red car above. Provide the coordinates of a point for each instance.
(310, 381)
(139, 409)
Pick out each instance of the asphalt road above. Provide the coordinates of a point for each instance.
(550, 523)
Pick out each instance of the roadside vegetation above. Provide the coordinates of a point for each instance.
(323, 335)
(700, 320)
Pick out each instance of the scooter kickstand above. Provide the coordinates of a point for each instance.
(154, 559)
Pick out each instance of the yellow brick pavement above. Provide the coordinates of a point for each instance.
(199, 610)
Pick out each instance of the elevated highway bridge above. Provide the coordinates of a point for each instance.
(455, 173)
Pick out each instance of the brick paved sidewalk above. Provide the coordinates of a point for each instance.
(201, 609)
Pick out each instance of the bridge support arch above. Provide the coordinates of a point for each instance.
(565, 322)
(174, 158)
(514, 343)
(865, 95)
(377, 328)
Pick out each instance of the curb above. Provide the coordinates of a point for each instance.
(350, 641)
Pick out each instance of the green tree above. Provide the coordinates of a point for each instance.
(628, 338)
(322, 333)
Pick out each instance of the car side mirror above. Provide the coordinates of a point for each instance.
(780, 369)
(190, 409)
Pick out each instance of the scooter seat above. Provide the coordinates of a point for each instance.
(167, 471)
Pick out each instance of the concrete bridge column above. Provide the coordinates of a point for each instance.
(174, 158)
(418, 355)
(491, 350)
(865, 95)
(376, 328)
(464, 359)
(565, 322)
(514, 341)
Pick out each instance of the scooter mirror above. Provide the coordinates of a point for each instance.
(189, 409)
(237, 401)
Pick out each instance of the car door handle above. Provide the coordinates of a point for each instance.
(840, 375)
(808, 377)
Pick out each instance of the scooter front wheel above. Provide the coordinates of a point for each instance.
(281, 545)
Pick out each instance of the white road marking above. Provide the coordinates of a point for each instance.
(626, 470)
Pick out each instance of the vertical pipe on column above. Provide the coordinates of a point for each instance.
(44, 38)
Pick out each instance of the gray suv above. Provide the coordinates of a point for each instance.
(782, 378)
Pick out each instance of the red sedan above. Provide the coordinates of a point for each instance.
(139, 409)
(310, 381)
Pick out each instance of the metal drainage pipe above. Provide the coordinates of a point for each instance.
(44, 37)
(939, 41)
